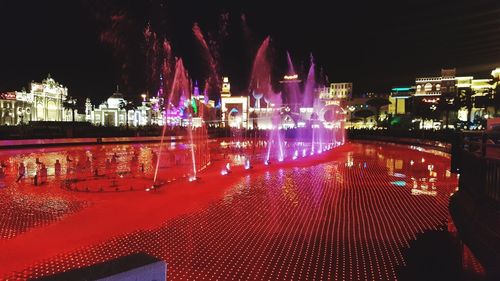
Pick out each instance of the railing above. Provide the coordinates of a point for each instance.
(439, 140)
(478, 160)
(475, 207)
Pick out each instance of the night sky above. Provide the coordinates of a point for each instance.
(375, 44)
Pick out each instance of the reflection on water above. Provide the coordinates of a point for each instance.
(94, 167)
(350, 218)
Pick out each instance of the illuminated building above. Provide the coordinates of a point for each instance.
(428, 95)
(356, 104)
(13, 109)
(47, 100)
(44, 102)
(434, 86)
(234, 108)
(258, 110)
(111, 112)
(469, 99)
(341, 90)
(401, 100)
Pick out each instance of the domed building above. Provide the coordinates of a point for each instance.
(112, 112)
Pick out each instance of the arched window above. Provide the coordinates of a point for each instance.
(428, 87)
(419, 88)
(51, 111)
(438, 87)
(40, 112)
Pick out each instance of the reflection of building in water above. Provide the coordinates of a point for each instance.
(424, 186)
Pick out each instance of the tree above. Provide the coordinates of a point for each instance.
(447, 103)
(377, 103)
(495, 99)
(465, 100)
(426, 111)
(127, 106)
(70, 104)
(364, 113)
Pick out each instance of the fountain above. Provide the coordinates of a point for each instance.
(315, 124)
(280, 113)
(186, 112)
(260, 86)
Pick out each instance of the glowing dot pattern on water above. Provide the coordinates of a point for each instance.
(347, 218)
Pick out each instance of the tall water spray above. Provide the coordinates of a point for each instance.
(180, 93)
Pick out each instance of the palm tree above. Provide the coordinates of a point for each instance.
(495, 99)
(377, 103)
(447, 103)
(70, 104)
(465, 100)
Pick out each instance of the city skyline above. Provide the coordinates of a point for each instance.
(371, 42)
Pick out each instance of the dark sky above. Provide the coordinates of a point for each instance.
(375, 44)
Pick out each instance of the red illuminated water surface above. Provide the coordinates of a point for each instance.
(346, 214)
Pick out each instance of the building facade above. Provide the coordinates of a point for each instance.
(44, 102)
(342, 90)
(401, 101)
(112, 112)
(47, 100)
(14, 109)
(261, 112)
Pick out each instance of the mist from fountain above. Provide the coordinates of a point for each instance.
(261, 87)
(298, 99)
(180, 103)
(275, 138)
(212, 82)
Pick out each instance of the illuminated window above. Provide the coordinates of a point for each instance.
(438, 87)
(419, 88)
(428, 87)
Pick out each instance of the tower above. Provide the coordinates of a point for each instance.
(226, 87)
(88, 110)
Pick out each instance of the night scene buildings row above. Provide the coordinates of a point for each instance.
(445, 101)
(49, 101)
(436, 102)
